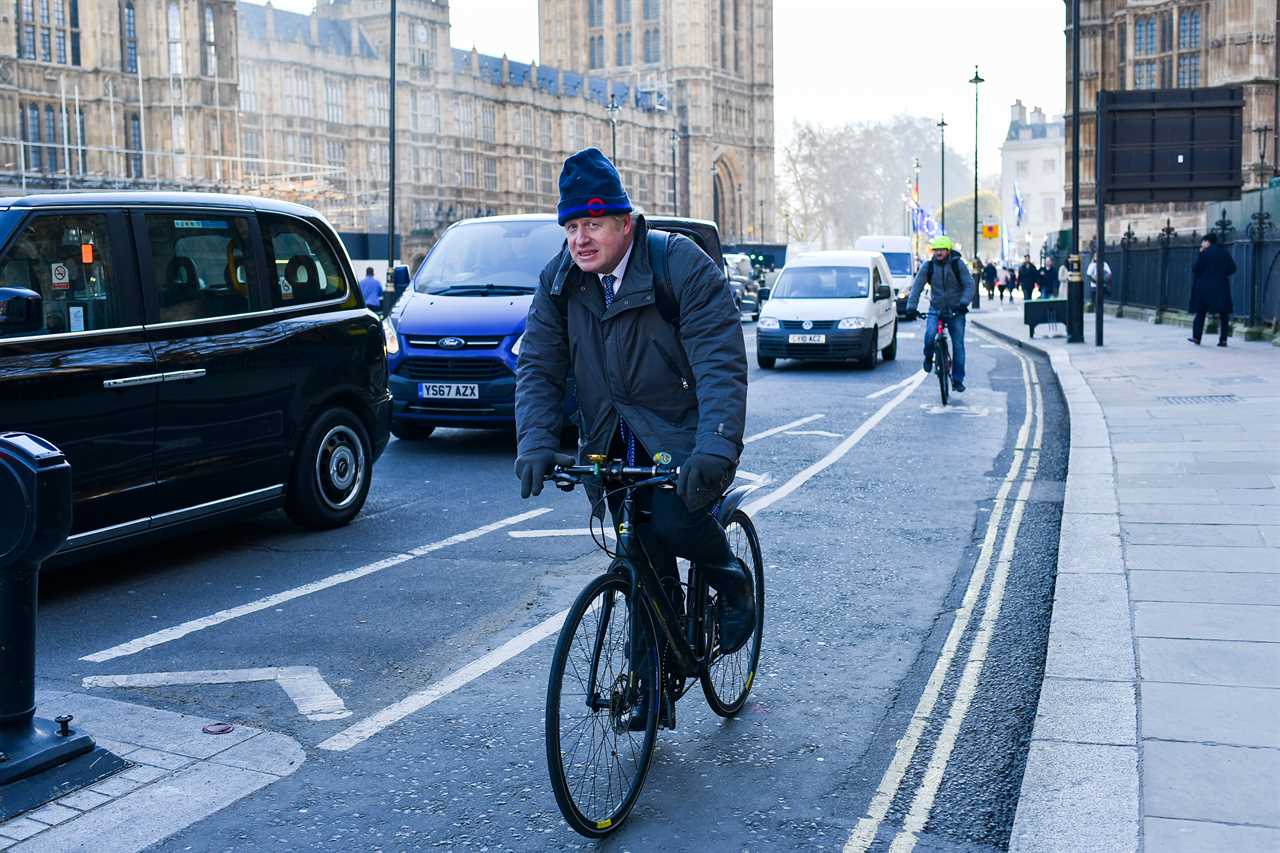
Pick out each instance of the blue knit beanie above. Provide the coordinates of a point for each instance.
(590, 186)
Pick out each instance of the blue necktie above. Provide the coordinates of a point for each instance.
(628, 437)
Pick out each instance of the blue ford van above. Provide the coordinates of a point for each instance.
(461, 319)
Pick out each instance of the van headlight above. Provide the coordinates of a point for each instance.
(390, 338)
(768, 323)
(515, 348)
(853, 323)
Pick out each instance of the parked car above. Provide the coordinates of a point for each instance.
(745, 296)
(829, 306)
(195, 356)
(461, 322)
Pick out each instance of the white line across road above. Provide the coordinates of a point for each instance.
(168, 635)
(887, 389)
(370, 726)
(762, 435)
(568, 531)
(305, 685)
(411, 704)
(864, 833)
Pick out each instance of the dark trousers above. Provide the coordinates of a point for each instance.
(668, 529)
(1224, 326)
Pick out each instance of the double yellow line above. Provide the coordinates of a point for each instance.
(1024, 465)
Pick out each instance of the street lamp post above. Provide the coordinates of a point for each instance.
(942, 146)
(760, 223)
(1075, 280)
(391, 155)
(915, 199)
(742, 226)
(675, 196)
(977, 79)
(613, 109)
(1258, 226)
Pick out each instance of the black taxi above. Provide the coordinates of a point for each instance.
(195, 356)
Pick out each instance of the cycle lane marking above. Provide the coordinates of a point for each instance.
(191, 626)
(888, 388)
(865, 831)
(771, 432)
(369, 726)
(931, 783)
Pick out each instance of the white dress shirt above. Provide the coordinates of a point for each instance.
(618, 272)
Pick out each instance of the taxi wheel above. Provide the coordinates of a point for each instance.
(331, 472)
(411, 432)
(890, 352)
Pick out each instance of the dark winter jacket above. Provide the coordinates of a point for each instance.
(1211, 288)
(989, 275)
(945, 289)
(681, 388)
(1028, 275)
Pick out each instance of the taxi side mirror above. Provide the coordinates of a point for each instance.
(21, 311)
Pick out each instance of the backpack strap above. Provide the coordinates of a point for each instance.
(659, 243)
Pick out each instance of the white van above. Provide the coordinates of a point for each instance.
(829, 306)
(897, 254)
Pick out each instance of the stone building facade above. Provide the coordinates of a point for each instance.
(237, 97)
(1031, 169)
(1154, 44)
(713, 60)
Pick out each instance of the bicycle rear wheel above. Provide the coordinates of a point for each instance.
(597, 765)
(727, 680)
(942, 355)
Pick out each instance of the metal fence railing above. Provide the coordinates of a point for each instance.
(1156, 273)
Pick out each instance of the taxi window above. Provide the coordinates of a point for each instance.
(200, 265)
(65, 259)
(305, 269)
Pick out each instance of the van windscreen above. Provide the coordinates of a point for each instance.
(490, 258)
(823, 283)
(899, 262)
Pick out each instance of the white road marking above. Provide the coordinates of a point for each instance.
(761, 435)
(371, 725)
(304, 684)
(837, 453)
(908, 335)
(570, 531)
(167, 635)
(864, 832)
(931, 782)
(966, 411)
(753, 478)
(888, 388)
(820, 432)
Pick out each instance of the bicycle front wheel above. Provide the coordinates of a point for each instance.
(596, 762)
(943, 358)
(727, 680)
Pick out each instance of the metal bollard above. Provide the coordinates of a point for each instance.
(1075, 300)
(35, 517)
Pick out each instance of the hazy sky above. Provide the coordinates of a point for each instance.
(837, 61)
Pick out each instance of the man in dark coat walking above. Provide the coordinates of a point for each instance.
(1028, 275)
(1211, 288)
(1048, 277)
(646, 384)
(989, 276)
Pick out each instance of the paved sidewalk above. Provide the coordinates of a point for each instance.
(179, 776)
(1158, 726)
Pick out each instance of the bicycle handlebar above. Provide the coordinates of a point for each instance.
(568, 476)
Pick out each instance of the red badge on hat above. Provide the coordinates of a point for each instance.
(595, 207)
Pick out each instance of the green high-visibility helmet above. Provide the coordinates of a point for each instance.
(942, 241)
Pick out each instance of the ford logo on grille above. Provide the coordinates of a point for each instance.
(452, 343)
(806, 325)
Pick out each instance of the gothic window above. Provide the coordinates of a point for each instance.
(31, 132)
(595, 13)
(26, 30)
(622, 11)
(488, 123)
(133, 143)
(130, 17)
(1189, 30)
(491, 174)
(333, 104)
(210, 43)
(248, 89)
(1144, 75)
(51, 135)
(652, 9)
(1144, 36)
(174, 28)
(1189, 71)
(548, 186)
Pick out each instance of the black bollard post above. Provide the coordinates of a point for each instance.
(35, 493)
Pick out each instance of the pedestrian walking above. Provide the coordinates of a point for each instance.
(371, 289)
(1211, 288)
(1028, 275)
(1048, 277)
(1008, 280)
(1092, 275)
(989, 277)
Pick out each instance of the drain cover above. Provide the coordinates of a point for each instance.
(1201, 400)
(217, 729)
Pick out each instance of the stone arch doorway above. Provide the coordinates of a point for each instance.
(725, 201)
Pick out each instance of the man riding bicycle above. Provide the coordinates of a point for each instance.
(648, 381)
(951, 291)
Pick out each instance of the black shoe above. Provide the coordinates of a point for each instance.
(1222, 343)
(1195, 341)
(640, 714)
(957, 386)
(928, 365)
(737, 604)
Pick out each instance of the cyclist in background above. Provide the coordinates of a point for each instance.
(951, 289)
(645, 384)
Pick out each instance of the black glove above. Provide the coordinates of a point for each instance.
(702, 479)
(963, 309)
(912, 314)
(533, 467)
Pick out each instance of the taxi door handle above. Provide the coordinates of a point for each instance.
(182, 375)
(134, 381)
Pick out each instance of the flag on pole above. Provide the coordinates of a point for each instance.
(1018, 206)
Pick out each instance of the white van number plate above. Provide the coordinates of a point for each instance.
(448, 391)
(806, 339)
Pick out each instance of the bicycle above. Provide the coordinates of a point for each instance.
(607, 662)
(942, 356)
